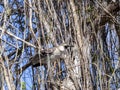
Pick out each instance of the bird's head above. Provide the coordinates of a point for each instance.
(64, 46)
(61, 48)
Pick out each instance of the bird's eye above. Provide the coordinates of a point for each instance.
(66, 47)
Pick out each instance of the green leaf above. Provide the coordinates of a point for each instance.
(23, 85)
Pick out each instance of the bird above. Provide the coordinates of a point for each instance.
(51, 54)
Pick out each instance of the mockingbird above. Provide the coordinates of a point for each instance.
(51, 54)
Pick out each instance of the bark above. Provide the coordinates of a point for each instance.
(82, 50)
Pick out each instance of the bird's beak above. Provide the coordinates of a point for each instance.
(69, 45)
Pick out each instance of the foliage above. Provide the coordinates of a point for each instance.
(31, 31)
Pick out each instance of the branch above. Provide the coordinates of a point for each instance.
(9, 33)
(108, 11)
